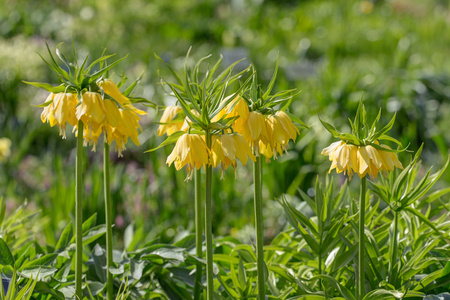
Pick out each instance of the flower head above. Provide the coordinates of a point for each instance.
(363, 160)
(361, 152)
(5, 149)
(190, 150)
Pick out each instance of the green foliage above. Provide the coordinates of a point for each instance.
(331, 50)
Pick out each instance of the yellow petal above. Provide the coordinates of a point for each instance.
(363, 161)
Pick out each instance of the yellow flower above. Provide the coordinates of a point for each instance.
(240, 110)
(112, 113)
(61, 111)
(268, 151)
(5, 149)
(190, 150)
(390, 159)
(91, 110)
(362, 160)
(130, 125)
(169, 113)
(111, 89)
(280, 130)
(253, 130)
(120, 123)
(226, 148)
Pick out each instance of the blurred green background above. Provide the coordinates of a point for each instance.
(396, 52)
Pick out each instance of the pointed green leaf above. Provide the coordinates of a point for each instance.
(170, 140)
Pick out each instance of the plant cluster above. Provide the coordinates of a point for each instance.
(389, 244)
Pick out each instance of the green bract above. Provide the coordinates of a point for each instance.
(77, 78)
(363, 134)
(204, 92)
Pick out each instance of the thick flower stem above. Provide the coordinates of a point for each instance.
(208, 226)
(78, 213)
(361, 250)
(257, 172)
(108, 220)
(394, 247)
(198, 233)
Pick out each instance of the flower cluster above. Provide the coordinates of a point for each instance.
(363, 160)
(191, 149)
(87, 96)
(361, 152)
(266, 134)
(114, 116)
(240, 127)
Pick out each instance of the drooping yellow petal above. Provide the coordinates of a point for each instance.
(169, 113)
(111, 89)
(363, 161)
(190, 150)
(374, 156)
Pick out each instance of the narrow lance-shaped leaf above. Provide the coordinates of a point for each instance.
(99, 73)
(47, 86)
(272, 81)
(170, 140)
(385, 129)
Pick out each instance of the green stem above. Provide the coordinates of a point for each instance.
(394, 245)
(108, 217)
(198, 233)
(361, 250)
(208, 226)
(257, 171)
(78, 213)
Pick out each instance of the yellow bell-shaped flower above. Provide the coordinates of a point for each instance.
(61, 111)
(363, 160)
(227, 148)
(91, 110)
(253, 130)
(111, 89)
(190, 150)
(169, 113)
(280, 130)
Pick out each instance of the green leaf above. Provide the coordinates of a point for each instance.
(93, 77)
(338, 286)
(297, 120)
(94, 233)
(41, 261)
(385, 129)
(6, 257)
(65, 237)
(173, 138)
(272, 81)
(422, 218)
(46, 86)
(99, 258)
(381, 294)
(44, 288)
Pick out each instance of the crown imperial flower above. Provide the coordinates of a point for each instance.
(60, 111)
(364, 156)
(169, 113)
(190, 150)
(226, 148)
